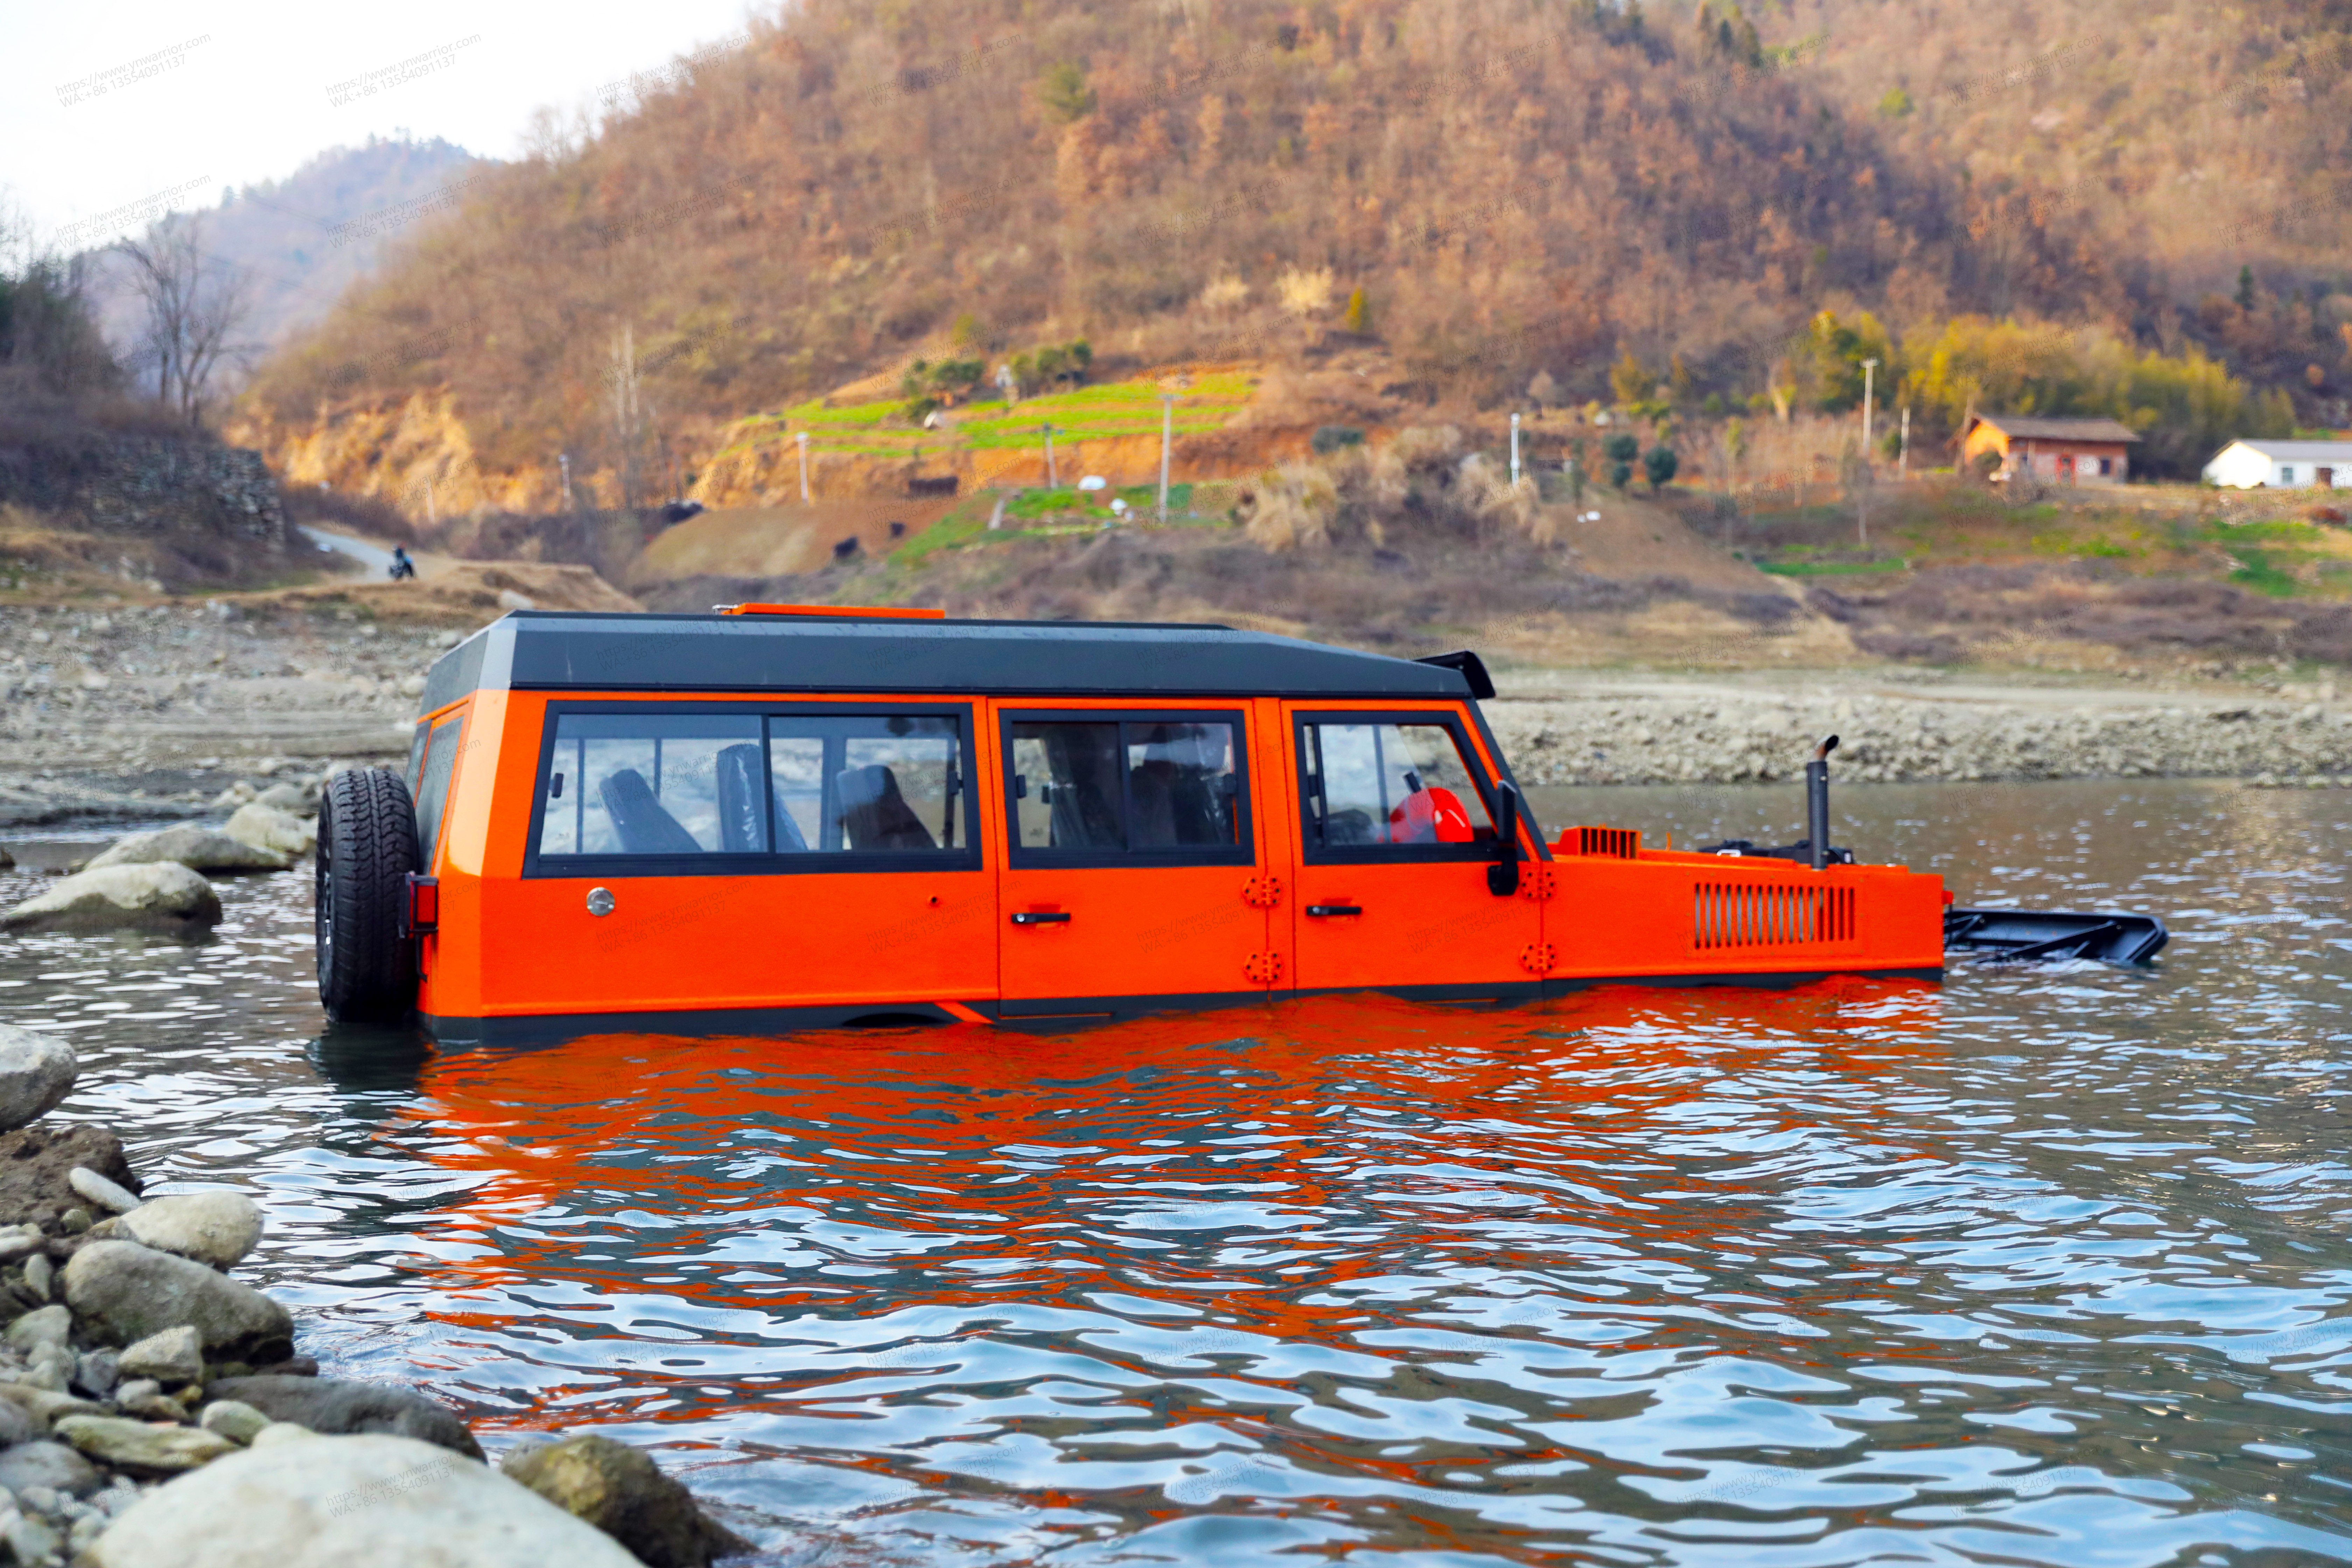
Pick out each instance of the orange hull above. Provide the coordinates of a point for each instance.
(1008, 933)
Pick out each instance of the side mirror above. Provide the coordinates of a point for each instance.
(1503, 876)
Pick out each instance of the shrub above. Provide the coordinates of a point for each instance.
(1658, 465)
(1331, 438)
(1620, 475)
(1305, 293)
(1064, 93)
(1621, 447)
(1358, 315)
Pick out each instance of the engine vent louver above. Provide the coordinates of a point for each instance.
(1769, 915)
(1614, 843)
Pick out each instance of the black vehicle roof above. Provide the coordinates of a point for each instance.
(548, 650)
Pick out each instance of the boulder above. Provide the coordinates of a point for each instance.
(122, 1292)
(17, 1425)
(47, 1405)
(163, 895)
(217, 1229)
(35, 1072)
(104, 1191)
(37, 1165)
(142, 1447)
(175, 1356)
(272, 827)
(300, 799)
(46, 1326)
(372, 1501)
(331, 1405)
(197, 846)
(233, 1419)
(50, 1465)
(625, 1494)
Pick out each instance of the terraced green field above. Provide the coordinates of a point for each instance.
(1105, 412)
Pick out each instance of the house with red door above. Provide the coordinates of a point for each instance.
(2056, 451)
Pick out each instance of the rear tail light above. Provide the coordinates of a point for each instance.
(420, 911)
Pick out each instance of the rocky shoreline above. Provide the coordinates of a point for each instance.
(155, 1414)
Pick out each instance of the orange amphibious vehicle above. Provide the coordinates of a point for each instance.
(771, 817)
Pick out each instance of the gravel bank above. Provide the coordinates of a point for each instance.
(1630, 731)
(147, 712)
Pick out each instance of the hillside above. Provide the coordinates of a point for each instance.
(1596, 196)
(1533, 191)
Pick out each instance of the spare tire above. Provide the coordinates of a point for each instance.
(367, 847)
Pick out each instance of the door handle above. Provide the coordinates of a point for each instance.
(1321, 910)
(1041, 918)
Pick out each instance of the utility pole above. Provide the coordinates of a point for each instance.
(1167, 436)
(1869, 370)
(1515, 451)
(626, 424)
(803, 438)
(1903, 461)
(1052, 479)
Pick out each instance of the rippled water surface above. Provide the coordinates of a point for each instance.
(2046, 1265)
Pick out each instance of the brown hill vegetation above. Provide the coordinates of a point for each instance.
(1488, 191)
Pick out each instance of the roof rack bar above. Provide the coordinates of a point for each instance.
(837, 612)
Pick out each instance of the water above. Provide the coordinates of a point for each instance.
(2048, 1266)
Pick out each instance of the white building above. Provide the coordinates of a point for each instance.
(2281, 465)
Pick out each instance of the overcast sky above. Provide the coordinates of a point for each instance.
(111, 108)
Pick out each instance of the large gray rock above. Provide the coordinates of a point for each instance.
(300, 799)
(44, 1406)
(372, 1501)
(625, 1494)
(197, 846)
(174, 1356)
(142, 1448)
(328, 1404)
(45, 1326)
(35, 1072)
(164, 895)
(122, 1292)
(17, 1425)
(272, 827)
(217, 1229)
(50, 1465)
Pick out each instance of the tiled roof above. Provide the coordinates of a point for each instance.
(2032, 428)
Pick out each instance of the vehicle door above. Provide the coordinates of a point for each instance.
(752, 856)
(1397, 812)
(1131, 862)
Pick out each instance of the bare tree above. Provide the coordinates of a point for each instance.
(194, 303)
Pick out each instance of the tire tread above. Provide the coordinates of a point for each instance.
(367, 838)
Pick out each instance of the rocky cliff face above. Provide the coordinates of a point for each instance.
(414, 454)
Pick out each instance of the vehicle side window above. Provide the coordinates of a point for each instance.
(1394, 787)
(655, 784)
(885, 783)
(415, 770)
(1166, 787)
(433, 785)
